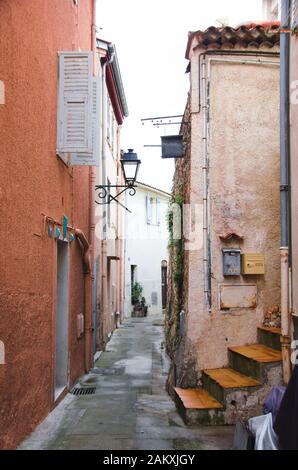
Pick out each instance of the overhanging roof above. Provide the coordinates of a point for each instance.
(252, 36)
(114, 80)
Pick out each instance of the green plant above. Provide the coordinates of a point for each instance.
(136, 293)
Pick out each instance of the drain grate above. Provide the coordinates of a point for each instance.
(83, 390)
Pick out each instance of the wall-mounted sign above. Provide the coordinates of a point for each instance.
(172, 146)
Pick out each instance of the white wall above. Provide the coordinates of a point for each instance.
(146, 246)
(271, 10)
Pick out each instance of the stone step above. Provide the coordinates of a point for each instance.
(196, 406)
(220, 382)
(269, 337)
(252, 360)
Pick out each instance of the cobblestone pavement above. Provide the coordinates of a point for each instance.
(130, 408)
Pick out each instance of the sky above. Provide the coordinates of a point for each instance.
(150, 38)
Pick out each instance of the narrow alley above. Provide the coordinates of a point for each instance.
(129, 409)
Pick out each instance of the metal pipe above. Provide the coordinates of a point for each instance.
(284, 186)
(89, 251)
(207, 290)
(104, 260)
(285, 317)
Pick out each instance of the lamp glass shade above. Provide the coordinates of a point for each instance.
(130, 165)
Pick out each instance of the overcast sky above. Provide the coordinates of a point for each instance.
(150, 38)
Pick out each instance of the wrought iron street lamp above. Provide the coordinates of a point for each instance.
(130, 166)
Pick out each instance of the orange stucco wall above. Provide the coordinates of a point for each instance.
(34, 181)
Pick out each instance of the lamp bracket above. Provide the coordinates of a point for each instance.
(105, 197)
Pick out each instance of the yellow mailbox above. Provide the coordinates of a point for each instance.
(252, 263)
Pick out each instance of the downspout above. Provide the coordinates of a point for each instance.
(89, 248)
(120, 237)
(86, 247)
(104, 274)
(284, 187)
(206, 229)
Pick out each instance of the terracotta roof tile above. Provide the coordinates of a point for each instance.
(253, 36)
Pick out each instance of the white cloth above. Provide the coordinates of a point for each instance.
(262, 428)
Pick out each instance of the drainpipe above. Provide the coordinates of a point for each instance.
(89, 248)
(104, 274)
(206, 228)
(284, 187)
(88, 328)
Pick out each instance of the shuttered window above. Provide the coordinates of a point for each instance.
(74, 130)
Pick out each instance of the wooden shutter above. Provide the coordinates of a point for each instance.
(92, 158)
(74, 132)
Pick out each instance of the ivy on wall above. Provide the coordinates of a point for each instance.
(175, 301)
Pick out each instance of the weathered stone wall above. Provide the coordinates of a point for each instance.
(178, 277)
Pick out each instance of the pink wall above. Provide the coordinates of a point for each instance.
(294, 170)
(33, 181)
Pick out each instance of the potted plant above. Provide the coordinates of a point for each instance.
(139, 303)
(136, 293)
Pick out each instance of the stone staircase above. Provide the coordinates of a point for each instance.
(238, 391)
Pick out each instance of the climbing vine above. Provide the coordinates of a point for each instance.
(176, 274)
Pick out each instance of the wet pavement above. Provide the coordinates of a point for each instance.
(130, 408)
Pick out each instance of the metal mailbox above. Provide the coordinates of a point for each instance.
(253, 263)
(231, 262)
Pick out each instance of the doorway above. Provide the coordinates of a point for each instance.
(133, 279)
(164, 283)
(61, 356)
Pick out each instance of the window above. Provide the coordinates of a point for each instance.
(153, 212)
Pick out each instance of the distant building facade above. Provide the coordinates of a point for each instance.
(146, 247)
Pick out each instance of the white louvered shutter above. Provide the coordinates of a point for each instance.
(74, 130)
(92, 158)
(158, 218)
(294, 13)
(148, 210)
